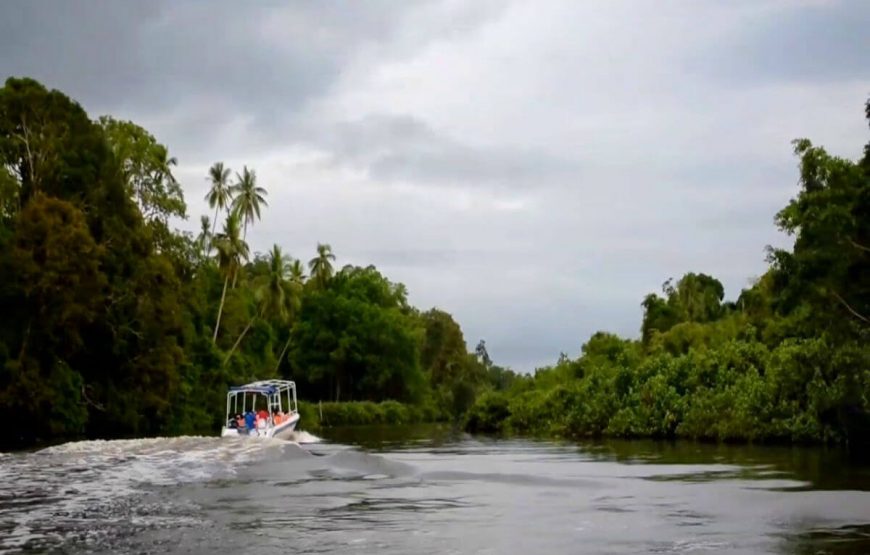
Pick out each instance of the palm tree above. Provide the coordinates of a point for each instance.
(248, 197)
(247, 200)
(205, 236)
(164, 163)
(294, 297)
(231, 251)
(297, 272)
(273, 293)
(220, 195)
(321, 265)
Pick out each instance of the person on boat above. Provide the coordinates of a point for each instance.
(250, 420)
(239, 420)
(277, 417)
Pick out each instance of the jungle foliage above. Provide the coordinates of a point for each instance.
(788, 361)
(115, 324)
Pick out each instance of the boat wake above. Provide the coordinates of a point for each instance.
(303, 437)
(86, 494)
(79, 492)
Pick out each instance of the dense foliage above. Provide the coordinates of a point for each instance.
(115, 324)
(788, 361)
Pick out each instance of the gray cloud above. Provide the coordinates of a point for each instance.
(212, 64)
(533, 168)
(406, 149)
(800, 42)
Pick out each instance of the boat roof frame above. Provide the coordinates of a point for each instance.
(264, 387)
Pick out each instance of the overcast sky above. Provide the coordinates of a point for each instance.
(534, 168)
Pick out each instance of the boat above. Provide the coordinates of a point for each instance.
(265, 409)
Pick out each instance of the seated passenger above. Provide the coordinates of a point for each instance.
(250, 420)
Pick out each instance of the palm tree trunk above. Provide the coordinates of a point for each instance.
(214, 224)
(281, 356)
(239, 340)
(217, 324)
(244, 236)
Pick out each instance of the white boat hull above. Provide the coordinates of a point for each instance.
(282, 431)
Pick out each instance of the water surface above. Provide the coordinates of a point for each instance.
(429, 490)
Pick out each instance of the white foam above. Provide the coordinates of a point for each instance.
(302, 437)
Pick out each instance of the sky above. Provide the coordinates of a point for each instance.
(534, 168)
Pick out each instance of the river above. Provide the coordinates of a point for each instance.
(429, 490)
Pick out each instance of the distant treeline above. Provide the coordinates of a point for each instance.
(114, 324)
(788, 361)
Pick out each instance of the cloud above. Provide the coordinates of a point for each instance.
(818, 41)
(533, 168)
(212, 65)
(405, 149)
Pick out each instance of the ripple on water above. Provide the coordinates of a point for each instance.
(195, 494)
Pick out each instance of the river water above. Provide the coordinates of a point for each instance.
(429, 490)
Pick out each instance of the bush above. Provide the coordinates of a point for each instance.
(489, 414)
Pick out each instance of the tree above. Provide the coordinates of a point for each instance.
(297, 272)
(220, 195)
(10, 200)
(247, 198)
(443, 352)
(321, 265)
(352, 340)
(204, 239)
(276, 295)
(482, 354)
(50, 145)
(700, 297)
(146, 168)
(659, 316)
(231, 249)
(295, 283)
(52, 288)
(828, 269)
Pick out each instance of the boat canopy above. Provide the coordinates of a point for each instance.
(280, 396)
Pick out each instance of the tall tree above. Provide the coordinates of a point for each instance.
(297, 272)
(827, 272)
(247, 198)
(232, 249)
(321, 265)
(203, 240)
(146, 168)
(220, 195)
